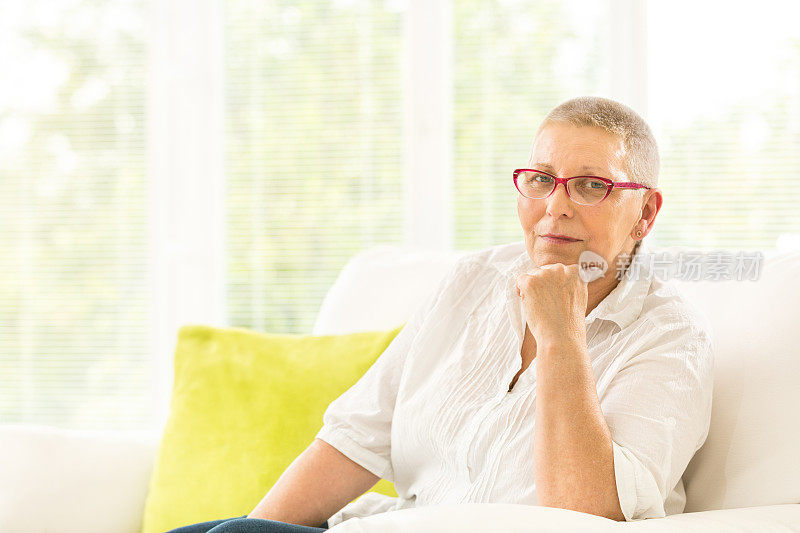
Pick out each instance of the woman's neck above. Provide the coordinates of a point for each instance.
(602, 287)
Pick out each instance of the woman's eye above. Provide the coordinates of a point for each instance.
(541, 178)
(593, 184)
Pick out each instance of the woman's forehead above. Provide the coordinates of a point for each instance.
(560, 147)
(566, 136)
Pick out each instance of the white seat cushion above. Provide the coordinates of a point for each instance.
(511, 518)
(478, 518)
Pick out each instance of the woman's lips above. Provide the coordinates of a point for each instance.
(556, 240)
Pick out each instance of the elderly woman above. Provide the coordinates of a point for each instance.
(524, 378)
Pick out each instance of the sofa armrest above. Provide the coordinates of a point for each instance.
(73, 480)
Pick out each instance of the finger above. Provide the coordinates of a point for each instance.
(552, 265)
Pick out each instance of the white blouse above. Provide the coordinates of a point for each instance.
(434, 415)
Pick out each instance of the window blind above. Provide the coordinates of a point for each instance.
(313, 150)
(73, 229)
(725, 105)
(514, 61)
(723, 101)
(313, 156)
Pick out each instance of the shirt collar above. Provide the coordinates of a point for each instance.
(624, 303)
(621, 306)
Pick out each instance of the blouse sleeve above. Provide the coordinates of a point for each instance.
(358, 423)
(658, 410)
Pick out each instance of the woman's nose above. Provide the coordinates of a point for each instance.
(559, 202)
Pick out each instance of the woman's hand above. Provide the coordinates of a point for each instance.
(554, 297)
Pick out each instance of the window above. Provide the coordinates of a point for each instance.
(177, 161)
(724, 102)
(74, 293)
(513, 62)
(313, 150)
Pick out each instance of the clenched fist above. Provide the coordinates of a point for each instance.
(554, 297)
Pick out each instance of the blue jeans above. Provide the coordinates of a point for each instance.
(242, 524)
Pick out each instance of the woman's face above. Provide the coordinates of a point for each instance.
(606, 228)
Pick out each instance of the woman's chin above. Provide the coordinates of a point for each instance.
(552, 258)
(546, 253)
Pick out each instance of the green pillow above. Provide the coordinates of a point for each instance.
(244, 405)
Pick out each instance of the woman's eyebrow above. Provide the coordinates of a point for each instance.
(585, 168)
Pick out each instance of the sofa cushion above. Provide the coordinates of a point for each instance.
(379, 288)
(515, 518)
(244, 406)
(480, 518)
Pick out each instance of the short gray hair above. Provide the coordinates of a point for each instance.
(643, 162)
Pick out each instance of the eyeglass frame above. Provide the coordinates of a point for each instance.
(610, 183)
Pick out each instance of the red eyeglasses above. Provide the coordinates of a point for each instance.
(584, 190)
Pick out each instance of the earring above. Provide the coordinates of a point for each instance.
(639, 233)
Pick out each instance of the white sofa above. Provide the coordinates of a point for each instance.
(745, 478)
